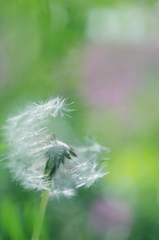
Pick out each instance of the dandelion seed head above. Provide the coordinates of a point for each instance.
(39, 161)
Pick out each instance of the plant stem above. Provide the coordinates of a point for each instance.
(40, 215)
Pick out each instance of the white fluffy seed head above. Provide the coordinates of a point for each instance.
(33, 152)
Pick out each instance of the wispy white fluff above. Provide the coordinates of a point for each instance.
(29, 138)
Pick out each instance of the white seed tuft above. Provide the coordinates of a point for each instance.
(39, 161)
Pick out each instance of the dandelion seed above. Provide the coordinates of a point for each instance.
(41, 162)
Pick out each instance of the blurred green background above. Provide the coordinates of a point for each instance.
(104, 56)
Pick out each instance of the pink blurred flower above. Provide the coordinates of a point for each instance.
(111, 217)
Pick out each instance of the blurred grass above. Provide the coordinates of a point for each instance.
(11, 221)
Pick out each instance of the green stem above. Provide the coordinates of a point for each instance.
(40, 215)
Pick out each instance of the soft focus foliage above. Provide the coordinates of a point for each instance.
(103, 55)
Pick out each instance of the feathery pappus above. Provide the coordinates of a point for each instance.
(40, 161)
